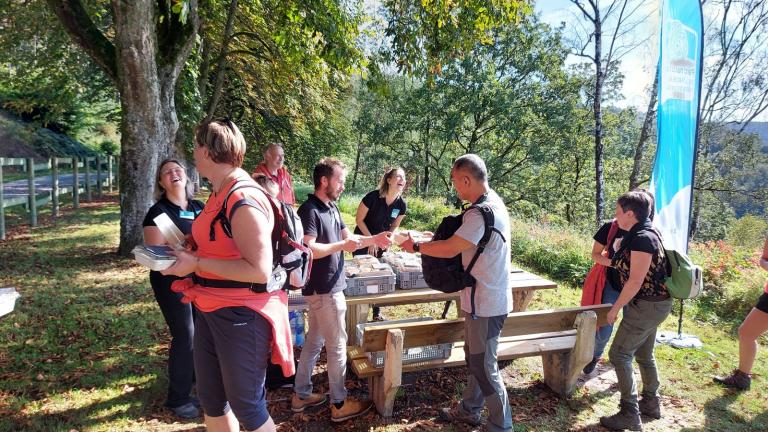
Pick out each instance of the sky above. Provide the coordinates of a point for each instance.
(638, 66)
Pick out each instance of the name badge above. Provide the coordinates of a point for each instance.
(184, 214)
(395, 212)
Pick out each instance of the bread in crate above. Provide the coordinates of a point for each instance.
(407, 267)
(366, 275)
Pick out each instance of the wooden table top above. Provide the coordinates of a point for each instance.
(520, 280)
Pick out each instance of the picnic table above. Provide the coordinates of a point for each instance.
(522, 283)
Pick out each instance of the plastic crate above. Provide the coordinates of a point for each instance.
(411, 280)
(296, 301)
(365, 285)
(410, 355)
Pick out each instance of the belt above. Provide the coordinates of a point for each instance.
(656, 298)
(223, 283)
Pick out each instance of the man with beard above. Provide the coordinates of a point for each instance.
(328, 237)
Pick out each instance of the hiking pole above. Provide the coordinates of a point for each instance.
(680, 322)
(446, 308)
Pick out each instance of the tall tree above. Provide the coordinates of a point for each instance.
(734, 93)
(142, 48)
(615, 26)
(645, 134)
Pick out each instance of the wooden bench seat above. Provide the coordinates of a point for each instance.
(564, 338)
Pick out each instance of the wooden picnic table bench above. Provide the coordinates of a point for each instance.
(564, 338)
(522, 283)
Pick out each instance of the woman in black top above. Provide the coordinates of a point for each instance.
(641, 266)
(173, 195)
(602, 252)
(381, 210)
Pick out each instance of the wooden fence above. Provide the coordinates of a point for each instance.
(105, 173)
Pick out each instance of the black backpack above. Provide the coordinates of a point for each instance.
(448, 274)
(291, 259)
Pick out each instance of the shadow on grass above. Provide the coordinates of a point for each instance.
(719, 416)
(139, 405)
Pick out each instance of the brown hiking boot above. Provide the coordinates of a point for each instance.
(457, 414)
(738, 380)
(650, 406)
(298, 404)
(628, 418)
(351, 409)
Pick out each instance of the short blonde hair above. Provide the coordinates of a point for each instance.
(223, 140)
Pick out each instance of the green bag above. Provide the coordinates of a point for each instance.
(684, 278)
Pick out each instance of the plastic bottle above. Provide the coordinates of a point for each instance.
(297, 327)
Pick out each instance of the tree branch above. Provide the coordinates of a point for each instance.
(76, 21)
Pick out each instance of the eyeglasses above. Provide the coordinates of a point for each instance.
(176, 170)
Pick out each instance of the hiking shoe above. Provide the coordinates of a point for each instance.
(457, 414)
(298, 404)
(650, 406)
(738, 380)
(351, 409)
(628, 418)
(186, 412)
(590, 367)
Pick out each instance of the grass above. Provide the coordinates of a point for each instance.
(85, 350)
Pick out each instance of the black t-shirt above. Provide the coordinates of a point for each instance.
(643, 240)
(602, 237)
(381, 216)
(181, 218)
(323, 222)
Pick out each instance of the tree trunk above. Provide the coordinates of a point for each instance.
(222, 64)
(357, 158)
(144, 62)
(148, 122)
(425, 180)
(597, 106)
(645, 133)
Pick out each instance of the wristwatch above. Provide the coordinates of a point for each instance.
(416, 247)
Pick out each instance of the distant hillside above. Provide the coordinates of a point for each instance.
(20, 139)
(759, 128)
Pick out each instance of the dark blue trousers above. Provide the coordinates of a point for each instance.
(180, 320)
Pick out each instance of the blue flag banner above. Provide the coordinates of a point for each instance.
(680, 62)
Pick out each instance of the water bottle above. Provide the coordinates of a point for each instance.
(297, 327)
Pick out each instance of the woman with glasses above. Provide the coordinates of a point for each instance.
(173, 196)
(242, 321)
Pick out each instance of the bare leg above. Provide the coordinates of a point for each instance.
(755, 324)
(225, 423)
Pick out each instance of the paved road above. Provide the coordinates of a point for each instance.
(44, 184)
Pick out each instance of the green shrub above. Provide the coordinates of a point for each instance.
(733, 280)
(558, 252)
(748, 231)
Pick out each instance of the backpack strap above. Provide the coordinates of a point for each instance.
(488, 222)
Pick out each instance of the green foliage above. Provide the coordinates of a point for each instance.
(110, 148)
(285, 74)
(748, 232)
(427, 34)
(41, 140)
(732, 280)
(559, 252)
(45, 77)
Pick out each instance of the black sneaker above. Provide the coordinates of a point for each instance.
(590, 367)
(187, 411)
(737, 379)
